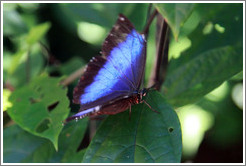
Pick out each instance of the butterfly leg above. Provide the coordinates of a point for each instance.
(150, 107)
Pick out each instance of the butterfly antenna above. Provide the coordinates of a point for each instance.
(150, 107)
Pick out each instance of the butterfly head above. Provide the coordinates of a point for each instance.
(141, 94)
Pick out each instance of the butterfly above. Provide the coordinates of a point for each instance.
(113, 82)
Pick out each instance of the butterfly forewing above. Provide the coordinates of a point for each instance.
(116, 75)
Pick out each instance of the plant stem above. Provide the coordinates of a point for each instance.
(73, 76)
(28, 67)
(161, 61)
(150, 19)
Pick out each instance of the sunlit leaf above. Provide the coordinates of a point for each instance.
(6, 102)
(40, 107)
(146, 137)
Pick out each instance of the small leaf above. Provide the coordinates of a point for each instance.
(175, 14)
(37, 32)
(146, 137)
(30, 107)
(192, 80)
(13, 24)
(17, 59)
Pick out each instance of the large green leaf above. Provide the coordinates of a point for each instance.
(146, 137)
(175, 14)
(192, 80)
(213, 57)
(41, 107)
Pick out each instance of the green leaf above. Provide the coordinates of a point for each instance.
(101, 14)
(16, 68)
(70, 139)
(21, 146)
(238, 76)
(40, 107)
(37, 32)
(146, 137)
(34, 35)
(13, 23)
(175, 14)
(180, 86)
(18, 144)
(77, 158)
(195, 78)
(19, 57)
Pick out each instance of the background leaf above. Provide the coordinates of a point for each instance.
(212, 58)
(21, 146)
(147, 137)
(13, 24)
(18, 144)
(37, 32)
(191, 81)
(38, 109)
(175, 14)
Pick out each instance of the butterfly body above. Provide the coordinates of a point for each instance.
(113, 81)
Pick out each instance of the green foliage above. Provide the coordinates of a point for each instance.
(205, 51)
(192, 80)
(22, 146)
(146, 137)
(33, 107)
(175, 14)
(212, 58)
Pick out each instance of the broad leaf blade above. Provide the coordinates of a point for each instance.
(40, 108)
(175, 14)
(144, 138)
(192, 80)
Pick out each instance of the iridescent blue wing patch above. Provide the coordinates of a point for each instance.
(115, 75)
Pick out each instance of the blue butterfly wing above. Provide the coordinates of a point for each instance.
(118, 73)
